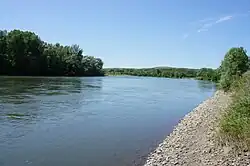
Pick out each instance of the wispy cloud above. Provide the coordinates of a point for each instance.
(222, 19)
(207, 23)
(205, 26)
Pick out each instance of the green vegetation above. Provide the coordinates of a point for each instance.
(24, 53)
(232, 76)
(233, 66)
(169, 72)
(235, 124)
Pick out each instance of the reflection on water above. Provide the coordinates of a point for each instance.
(24, 98)
(206, 86)
(95, 121)
(23, 89)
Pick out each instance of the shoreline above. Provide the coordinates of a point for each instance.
(194, 140)
(192, 78)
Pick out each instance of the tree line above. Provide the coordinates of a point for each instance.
(232, 75)
(169, 72)
(24, 53)
(235, 62)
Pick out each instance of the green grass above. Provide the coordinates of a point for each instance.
(235, 124)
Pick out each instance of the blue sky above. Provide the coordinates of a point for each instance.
(137, 33)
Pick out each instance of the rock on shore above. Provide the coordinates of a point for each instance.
(194, 140)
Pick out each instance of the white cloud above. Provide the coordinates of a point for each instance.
(205, 26)
(222, 19)
(207, 23)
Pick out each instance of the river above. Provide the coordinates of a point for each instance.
(92, 121)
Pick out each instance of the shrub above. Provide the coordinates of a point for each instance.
(235, 125)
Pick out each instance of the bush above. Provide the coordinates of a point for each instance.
(225, 81)
(235, 125)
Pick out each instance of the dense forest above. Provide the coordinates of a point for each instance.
(24, 53)
(169, 72)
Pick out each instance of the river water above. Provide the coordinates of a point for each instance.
(95, 121)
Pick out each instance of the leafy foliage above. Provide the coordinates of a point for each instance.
(236, 123)
(235, 63)
(203, 74)
(24, 53)
(208, 74)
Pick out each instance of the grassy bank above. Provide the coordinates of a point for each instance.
(235, 124)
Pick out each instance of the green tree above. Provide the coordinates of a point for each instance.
(24, 53)
(235, 63)
(207, 74)
(3, 56)
(24, 50)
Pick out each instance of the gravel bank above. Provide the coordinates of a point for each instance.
(194, 141)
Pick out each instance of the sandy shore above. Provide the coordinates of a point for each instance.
(194, 141)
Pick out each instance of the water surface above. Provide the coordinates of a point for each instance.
(97, 121)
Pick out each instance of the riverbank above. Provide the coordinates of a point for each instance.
(167, 72)
(195, 140)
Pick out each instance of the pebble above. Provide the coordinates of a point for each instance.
(193, 141)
